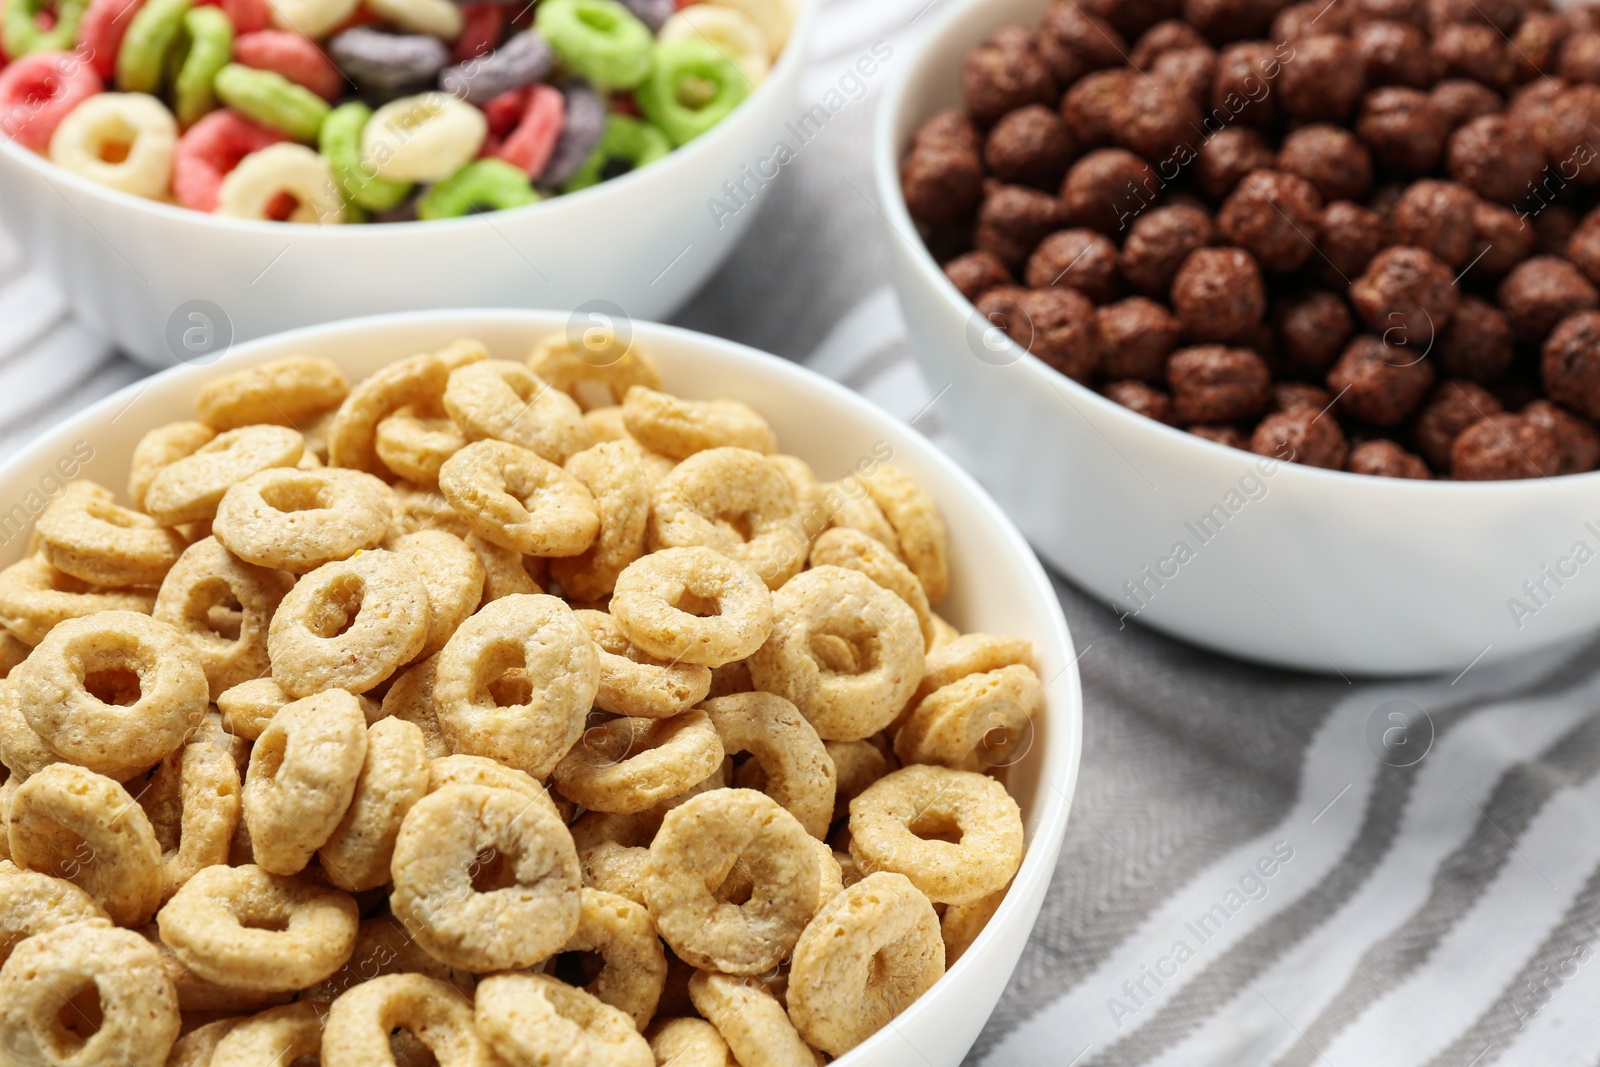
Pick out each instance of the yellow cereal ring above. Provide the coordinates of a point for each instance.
(505, 570)
(964, 654)
(384, 947)
(519, 500)
(33, 903)
(476, 770)
(918, 526)
(532, 1018)
(35, 598)
(415, 508)
(246, 929)
(161, 447)
(689, 1043)
(635, 684)
(532, 909)
(248, 707)
(453, 577)
(303, 773)
(693, 605)
(297, 520)
(262, 177)
(734, 501)
(893, 822)
(877, 626)
(962, 923)
(415, 445)
(752, 1022)
(856, 765)
(633, 967)
(284, 392)
(192, 801)
(352, 436)
(74, 824)
(135, 125)
(393, 777)
(505, 401)
(599, 371)
(189, 489)
(975, 722)
(84, 534)
(276, 1036)
(852, 549)
(799, 774)
(349, 625)
(614, 474)
(867, 955)
(540, 635)
(850, 508)
(697, 847)
(410, 699)
(21, 750)
(197, 599)
(115, 692)
(41, 983)
(678, 428)
(629, 765)
(361, 1021)
(202, 996)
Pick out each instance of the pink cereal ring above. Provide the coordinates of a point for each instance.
(529, 145)
(213, 147)
(248, 16)
(101, 30)
(37, 91)
(481, 28)
(293, 56)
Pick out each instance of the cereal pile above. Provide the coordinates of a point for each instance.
(303, 760)
(1361, 235)
(325, 111)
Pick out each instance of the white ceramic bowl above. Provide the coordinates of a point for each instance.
(1298, 567)
(997, 584)
(134, 270)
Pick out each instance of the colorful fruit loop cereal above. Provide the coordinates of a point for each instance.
(337, 111)
(376, 699)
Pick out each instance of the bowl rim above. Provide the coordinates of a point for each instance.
(1056, 785)
(887, 152)
(681, 157)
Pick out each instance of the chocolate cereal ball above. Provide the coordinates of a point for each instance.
(1273, 216)
(1243, 89)
(1301, 436)
(1170, 36)
(1379, 383)
(942, 176)
(1324, 81)
(1089, 106)
(1541, 292)
(1142, 397)
(1500, 15)
(1307, 19)
(1292, 396)
(1583, 247)
(1496, 158)
(1536, 44)
(976, 273)
(1077, 259)
(1073, 43)
(1407, 295)
(1005, 74)
(1347, 239)
(1404, 128)
(1312, 328)
(1001, 306)
(1188, 72)
(1580, 57)
(1063, 330)
(1030, 146)
(1567, 131)
(1577, 437)
(1453, 407)
(1231, 436)
(1570, 363)
(1383, 458)
(1531, 104)
(1159, 241)
(1155, 121)
(1219, 295)
(1216, 384)
(1475, 51)
(1331, 158)
(1138, 334)
(1132, 17)
(1228, 20)
(1393, 53)
(1477, 345)
(1503, 447)
(1501, 239)
(1461, 101)
(1409, 11)
(1553, 229)
(1013, 220)
(1227, 156)
(1437, 216)
(1107, 189)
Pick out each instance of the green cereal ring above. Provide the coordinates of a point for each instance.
(625, 141)
(484, 183)
(692, 88)
(272, 100)
(210, 48)
(20, 32)
(340, 142)
(599, 39)
(151, 36)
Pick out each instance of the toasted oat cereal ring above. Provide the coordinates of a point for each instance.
(297, 520)
(33, 903)
(505, 401)
(605, 424)
(414, 507)
(535, 1019)
(222, 606)
(697, 847)
(196, 1048)
(614, 474)
(248, 707)
(856, 764)
(519, 500)
(349, 624)
(393, 777)
(731, 678)
(975, 653)
(8, 789)
(13, 650)
(115, 692)
(244, 928)
(628, 765)
(830, 877)
(877, 628)
(943, 632)
(693, 605)
(799, 775)
(614, 850)
(54, 981)
(809, 495)
(976, 722)
(415, 445)
(160, 448)
(384, 947)
(852, 549)
(635, 684)
(276, 1036)
(359, 1025)
(74, 824)
(418, 380)
(200, 995)
(453, 577)
(634, 967)
(35, 598)
(477, 770)
(918, 526)
(303, 773)
(505, 570)
(850, 508)
(752, 1022)
(192, 801)
(410, 699)
(531, 909)
(540, 635)
(84, 534)
(867, 955)
(962, 923)
(678, 428)
(21, 750)
(283, 392)
(189, 489)
(689, 1043)
(598, 371)
(734, 501)
(899, 824)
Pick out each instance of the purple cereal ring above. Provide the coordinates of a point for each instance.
(652, 13)
(524, 59)
(388, 62)
(586, 121)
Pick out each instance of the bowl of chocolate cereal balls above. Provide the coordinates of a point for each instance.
(1274, 325)
(453, 687)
